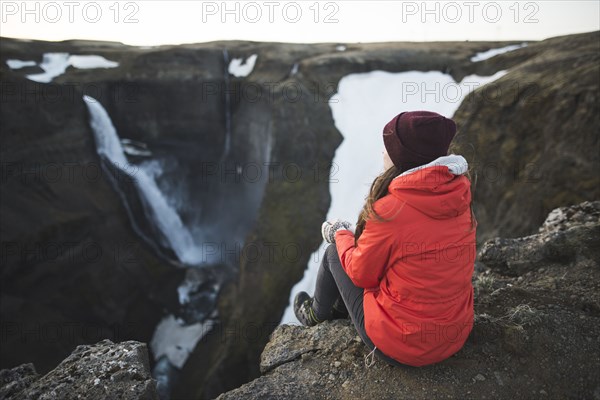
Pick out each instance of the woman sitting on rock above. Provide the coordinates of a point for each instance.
(404, 276)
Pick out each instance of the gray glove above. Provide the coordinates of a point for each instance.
(328, 229)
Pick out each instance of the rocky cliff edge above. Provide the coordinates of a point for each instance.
(536, 332)
(103, 371)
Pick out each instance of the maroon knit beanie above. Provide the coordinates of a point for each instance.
(417, 137)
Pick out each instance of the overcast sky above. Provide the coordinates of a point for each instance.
(173, 22)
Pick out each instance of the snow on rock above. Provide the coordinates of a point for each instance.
(90, 62)
(18, 64)
(494, 52)
(55, 64)
(239, 68)
(364, 103)
(176, 341)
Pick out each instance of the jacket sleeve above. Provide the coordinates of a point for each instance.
(366, 263)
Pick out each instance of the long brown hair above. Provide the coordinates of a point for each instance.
(379, 188)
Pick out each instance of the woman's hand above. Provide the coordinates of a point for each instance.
(328, 229)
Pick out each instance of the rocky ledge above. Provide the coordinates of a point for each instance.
(103, 371)
(536, 333)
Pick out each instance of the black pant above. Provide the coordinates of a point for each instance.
(332, 284)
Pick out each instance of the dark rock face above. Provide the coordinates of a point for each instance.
(73, 270)
(101, 371)
(532, 137)
(535, 335)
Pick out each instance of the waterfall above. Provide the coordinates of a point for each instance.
(227, 105)
(156, 207)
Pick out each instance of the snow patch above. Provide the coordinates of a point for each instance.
(90, 62)
(177, 341)
(18, 64)
(494, 52)
(55, 64)
(239, 68)
(340, 47)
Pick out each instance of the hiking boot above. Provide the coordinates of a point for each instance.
(304, 310)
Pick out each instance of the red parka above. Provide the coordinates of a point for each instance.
(416, 266)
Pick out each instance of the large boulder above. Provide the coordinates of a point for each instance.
(103, 371)
(568, 235)
(536, 335)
